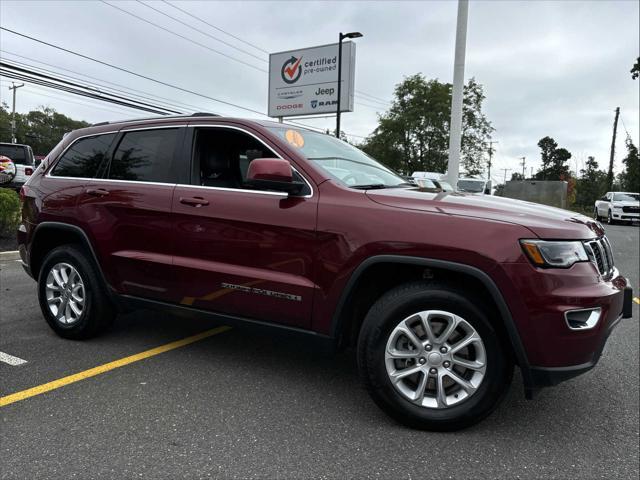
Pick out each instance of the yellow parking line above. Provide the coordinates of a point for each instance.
(92, 372)
(637, 300)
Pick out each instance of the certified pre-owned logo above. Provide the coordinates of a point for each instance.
(291, 70)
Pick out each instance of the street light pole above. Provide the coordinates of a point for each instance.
(455, 133)
(14, 87)
(340, 38)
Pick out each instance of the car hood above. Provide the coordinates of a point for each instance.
(545, 222)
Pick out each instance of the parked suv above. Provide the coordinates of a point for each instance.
(23, 160)
(259, 223)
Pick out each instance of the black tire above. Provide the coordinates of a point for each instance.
(610, 219)
(384, 316)
(595, 214)
(97, 312)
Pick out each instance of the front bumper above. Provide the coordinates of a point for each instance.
(549, 376)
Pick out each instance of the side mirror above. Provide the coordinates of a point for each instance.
(272, 174)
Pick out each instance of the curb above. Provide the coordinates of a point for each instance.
(11, 255)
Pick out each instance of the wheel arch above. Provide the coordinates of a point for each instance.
(345, 321)
(58, 234)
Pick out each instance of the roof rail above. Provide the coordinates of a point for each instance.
(197, 114)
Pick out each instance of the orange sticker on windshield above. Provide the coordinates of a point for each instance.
(294, 138)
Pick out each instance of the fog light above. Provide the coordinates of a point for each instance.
(582, 319)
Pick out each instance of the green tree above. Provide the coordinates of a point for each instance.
(554, 160)
(630, 178)
(414, 133)
(516, 177)
(591, 185)
(42, 129)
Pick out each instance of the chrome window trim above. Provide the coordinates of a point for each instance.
(224, 189)
(233, 127)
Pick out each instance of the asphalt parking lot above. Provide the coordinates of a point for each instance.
(241, 405)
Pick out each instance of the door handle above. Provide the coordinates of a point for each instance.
(97, 192)
(194, 201)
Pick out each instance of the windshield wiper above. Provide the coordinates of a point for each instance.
(372, 186)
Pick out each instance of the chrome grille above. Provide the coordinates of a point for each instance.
(599, 252)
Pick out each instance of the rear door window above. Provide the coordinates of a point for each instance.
(146, 156)
(84, 157)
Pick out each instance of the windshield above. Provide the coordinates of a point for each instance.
(626, 197)
(16, 153)
(347, 164)
(473, 186)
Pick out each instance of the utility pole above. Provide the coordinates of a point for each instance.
(490, 142)
(455, 133)
(505, 174)
(613, 150)
(531, 177)
(524, 162)
(14, 87)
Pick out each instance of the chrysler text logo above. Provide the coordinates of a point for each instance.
(291, 70)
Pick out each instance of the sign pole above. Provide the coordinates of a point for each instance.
(455, 133)
(339, 85)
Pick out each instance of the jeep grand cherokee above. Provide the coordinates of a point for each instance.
(259, 223)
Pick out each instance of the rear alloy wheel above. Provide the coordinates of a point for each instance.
(72, 297)
(431, 359)
(65, 293)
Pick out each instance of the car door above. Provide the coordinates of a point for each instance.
(603, 206)
(127, 211)
(242, 252)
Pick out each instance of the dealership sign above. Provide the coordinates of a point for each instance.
(305, 82)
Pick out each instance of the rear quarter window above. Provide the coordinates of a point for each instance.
(84, 157)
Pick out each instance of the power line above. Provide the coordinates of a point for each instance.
(34, 90)
(139, 75)
(360, 93)
(152, 97)
(149, 107)
(202, 32)
(48, 81)
(386, 102)
(184, 38)
(217, 28)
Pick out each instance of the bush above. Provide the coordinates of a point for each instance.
(9, 212)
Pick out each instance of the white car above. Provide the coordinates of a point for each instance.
(23, 160)
(618, 207)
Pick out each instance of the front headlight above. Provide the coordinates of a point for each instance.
(560, 254)
(616, 207)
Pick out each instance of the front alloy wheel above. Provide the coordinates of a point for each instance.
(431, 358)
(435, 359)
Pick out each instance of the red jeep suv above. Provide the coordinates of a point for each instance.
(258, 223)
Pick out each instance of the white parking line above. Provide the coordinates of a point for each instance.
(11, 360)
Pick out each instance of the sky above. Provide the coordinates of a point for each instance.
(557, 68)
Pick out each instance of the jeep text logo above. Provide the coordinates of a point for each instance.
(325, 91)
(291, 70)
